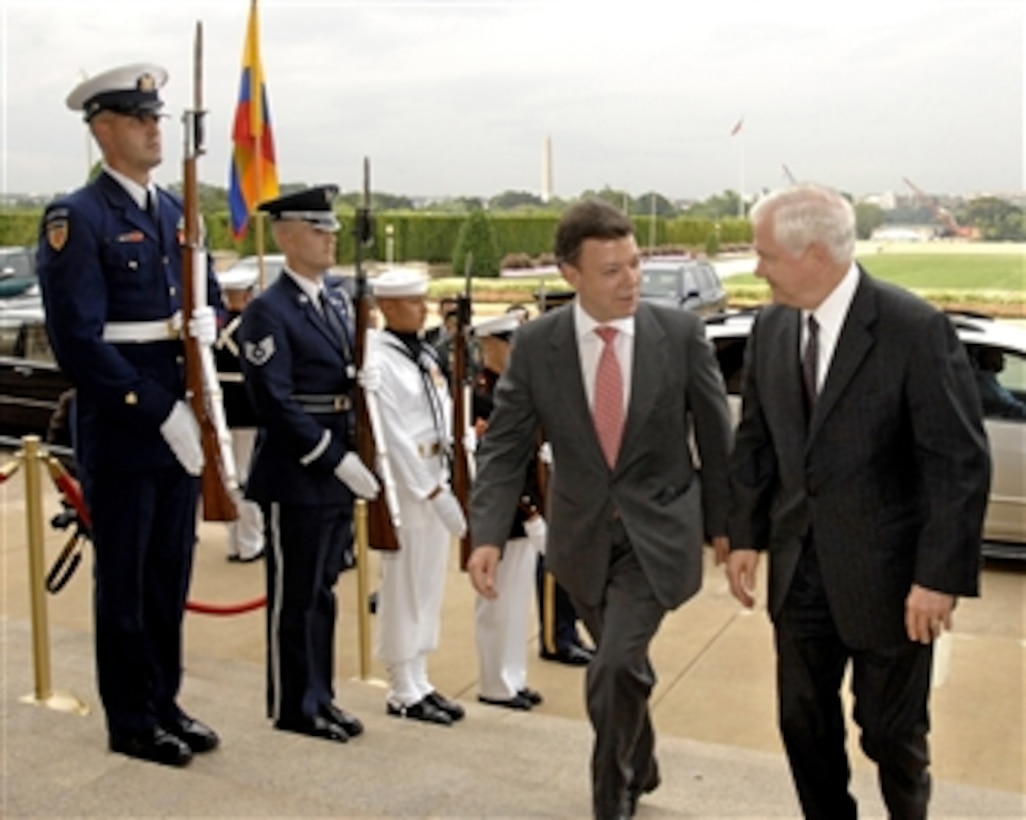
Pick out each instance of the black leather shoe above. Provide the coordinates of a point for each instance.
(532, 696)
(235, 558)
(155, 745)
(196, 735)
(317, 726)
(516, 702)
(572, 655)
(450, 707)
(351, 723)
(423, 710)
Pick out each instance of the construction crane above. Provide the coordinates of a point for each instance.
(950, 226)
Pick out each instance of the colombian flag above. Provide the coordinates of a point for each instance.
(254, 176)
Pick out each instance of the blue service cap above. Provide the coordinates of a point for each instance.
(130, 90)
(313, 205)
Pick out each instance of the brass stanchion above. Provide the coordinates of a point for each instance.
(43, 695)
(362, 543)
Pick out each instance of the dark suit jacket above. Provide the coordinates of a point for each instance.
(891, 478)
(288, 349)
(654, 487)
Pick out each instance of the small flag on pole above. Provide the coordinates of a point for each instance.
(737, 128)
(253, 174)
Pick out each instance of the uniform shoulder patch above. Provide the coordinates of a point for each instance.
(57, 228)
(259, 353)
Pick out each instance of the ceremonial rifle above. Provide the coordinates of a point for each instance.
(382, 512)
(460, 412)
(202, 386)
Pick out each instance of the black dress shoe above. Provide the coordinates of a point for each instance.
(155, 745)
(571, 655)
(450, 707)
(516, 702)
(235, 558)
(316, 726)
(533, 696)
(351, 723)
(423, 710)
(196, 735)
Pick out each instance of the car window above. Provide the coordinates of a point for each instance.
(690, 289)
(659, 283)
(1001, 379)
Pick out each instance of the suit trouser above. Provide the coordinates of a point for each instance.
(304, 559)
(144, 527)
(620, 678)
(891, 688)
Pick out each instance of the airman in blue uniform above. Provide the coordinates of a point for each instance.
(110, 268)
(299, 371)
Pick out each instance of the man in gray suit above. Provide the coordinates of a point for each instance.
(627, 518)
(861, 467)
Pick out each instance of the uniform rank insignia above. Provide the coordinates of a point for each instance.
(259, 353)
(56, 231)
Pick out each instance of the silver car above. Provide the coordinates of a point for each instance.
(998, 352)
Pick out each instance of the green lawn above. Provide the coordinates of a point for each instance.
(939, 272)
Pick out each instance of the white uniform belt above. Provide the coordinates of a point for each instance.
(157, 330)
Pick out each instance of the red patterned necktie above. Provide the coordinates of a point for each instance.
(608, 409)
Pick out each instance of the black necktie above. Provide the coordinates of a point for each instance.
(810, 361)
(151, 206)
(333, 319)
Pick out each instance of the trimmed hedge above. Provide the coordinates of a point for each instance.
(428, 237)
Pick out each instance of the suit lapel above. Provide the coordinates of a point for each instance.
(564, 367)
(649, 362)
(854, 343)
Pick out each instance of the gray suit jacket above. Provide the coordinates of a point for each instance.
(891, 478)
(654, 487)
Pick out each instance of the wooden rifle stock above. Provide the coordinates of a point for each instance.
(218, 504)
(381, 532)
(460, 388)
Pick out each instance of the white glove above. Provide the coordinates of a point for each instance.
(448, 509)
(369, 378)
(537, 533)
(182, 433)
(470, 440)
(352, 472)
(203, 325)
(545, 453)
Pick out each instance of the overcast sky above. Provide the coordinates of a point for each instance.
(457, 98)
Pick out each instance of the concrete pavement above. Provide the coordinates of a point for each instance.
(713, 708)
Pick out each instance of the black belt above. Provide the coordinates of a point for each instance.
(324, 404)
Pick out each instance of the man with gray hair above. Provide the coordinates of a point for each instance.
(861, 467)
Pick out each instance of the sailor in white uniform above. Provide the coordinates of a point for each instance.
(415, 415)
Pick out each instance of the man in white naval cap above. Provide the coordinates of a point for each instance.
(501, 623)
(404, 374)
(300, 372)
(110, 269)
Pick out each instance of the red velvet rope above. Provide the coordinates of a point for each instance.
(72, 491)
(225, 609)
